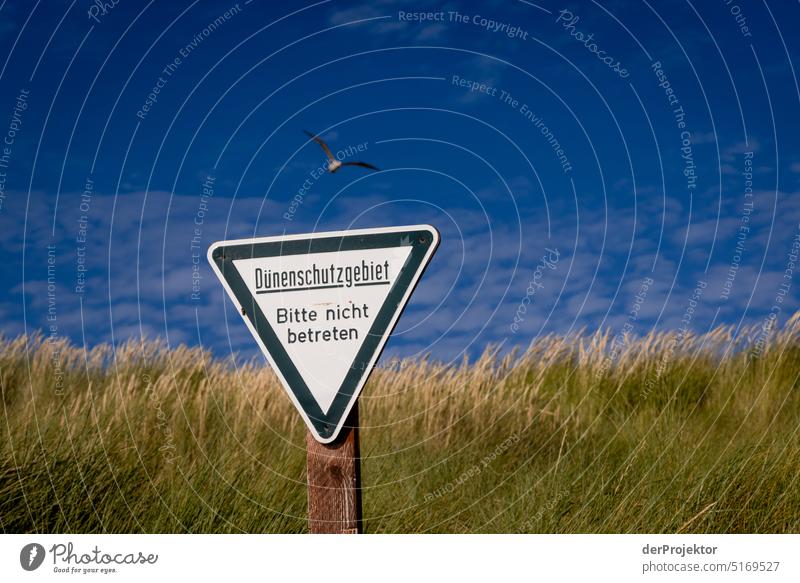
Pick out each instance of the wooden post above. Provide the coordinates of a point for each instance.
(334, 481)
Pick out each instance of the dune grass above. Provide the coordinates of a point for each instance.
(665, 433)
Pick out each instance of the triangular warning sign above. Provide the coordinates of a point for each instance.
(322, 306)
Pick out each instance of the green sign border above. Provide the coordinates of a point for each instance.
(418, 239)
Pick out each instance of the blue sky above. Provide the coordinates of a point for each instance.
(659, 152)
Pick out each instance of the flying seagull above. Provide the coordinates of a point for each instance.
(333, 163)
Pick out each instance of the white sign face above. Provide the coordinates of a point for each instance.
(321, 307)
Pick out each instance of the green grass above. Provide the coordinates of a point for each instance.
(669, 434)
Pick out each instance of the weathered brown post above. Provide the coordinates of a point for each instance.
(276, 284)
(334, 481)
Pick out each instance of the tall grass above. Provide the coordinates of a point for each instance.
(665, 433)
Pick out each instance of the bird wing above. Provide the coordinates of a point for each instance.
(322, 144)
(362, 164)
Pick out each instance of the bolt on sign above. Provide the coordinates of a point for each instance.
(321, 306)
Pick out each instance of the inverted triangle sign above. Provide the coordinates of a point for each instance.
(322, 306)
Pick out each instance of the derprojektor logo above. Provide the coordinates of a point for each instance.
(31, 556)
